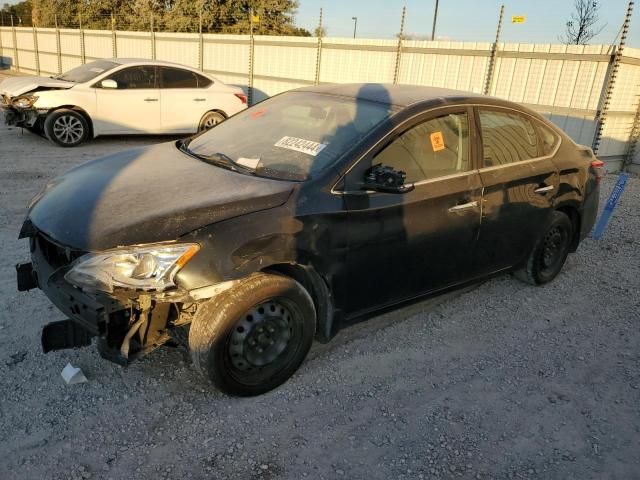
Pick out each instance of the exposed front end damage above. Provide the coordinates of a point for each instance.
(27, 117)
(128, 324)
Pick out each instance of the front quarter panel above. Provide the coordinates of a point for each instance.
(78, 96)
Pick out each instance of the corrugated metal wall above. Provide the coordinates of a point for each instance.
(565, 83)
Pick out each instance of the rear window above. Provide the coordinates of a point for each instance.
(295, 135)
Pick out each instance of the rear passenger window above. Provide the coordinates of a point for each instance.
(432, 149)
(203, 82)
(178, 78)
(507, 138)
(549, 139)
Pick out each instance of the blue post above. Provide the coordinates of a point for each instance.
(611, 204)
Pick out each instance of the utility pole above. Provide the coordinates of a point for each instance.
(435, 19)
(355, 25)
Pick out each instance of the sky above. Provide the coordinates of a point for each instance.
(463, 20)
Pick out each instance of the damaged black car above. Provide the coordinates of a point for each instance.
(298, 216)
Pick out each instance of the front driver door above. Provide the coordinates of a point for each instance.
(132, 107)
(403, 245)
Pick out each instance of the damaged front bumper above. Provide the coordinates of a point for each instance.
(128, 324)
(21, 117)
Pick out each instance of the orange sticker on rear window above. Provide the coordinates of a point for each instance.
(437, 141)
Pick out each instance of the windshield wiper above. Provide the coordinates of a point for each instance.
(218, 158)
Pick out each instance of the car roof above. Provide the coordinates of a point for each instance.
(147, 61)
(400, 95)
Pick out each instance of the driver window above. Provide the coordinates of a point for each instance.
(432, 149)
(135, 77)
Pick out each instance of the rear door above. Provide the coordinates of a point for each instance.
(520, 182)
(133, 107)
(404, 245)
(185, 99)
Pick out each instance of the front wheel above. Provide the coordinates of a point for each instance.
(254, 336)
(66, 128)
(549, 253)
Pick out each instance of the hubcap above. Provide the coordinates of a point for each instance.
(68, 129)
(260, 336)
(210, 121)
(553, 247)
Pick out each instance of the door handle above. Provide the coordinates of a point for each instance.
(199, 99)
(463, 206)
(544, 189)
(150, 99)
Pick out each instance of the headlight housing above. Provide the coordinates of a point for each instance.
(24, 101)
(145, 267)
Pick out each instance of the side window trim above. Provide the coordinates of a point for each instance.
(126, 67)
(534, 122)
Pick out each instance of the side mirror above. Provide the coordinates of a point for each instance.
(382, 178)
(108, 83)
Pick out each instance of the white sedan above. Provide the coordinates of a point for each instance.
(119, 96)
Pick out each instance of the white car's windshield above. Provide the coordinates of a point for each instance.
(292, 136)
(87, 72)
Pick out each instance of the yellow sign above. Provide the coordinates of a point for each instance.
(255, 18)
(518, 19)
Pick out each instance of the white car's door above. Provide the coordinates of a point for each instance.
(184, 99)
(132, 107)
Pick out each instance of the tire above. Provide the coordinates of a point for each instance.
(66, 128)
(253, 337)
(549, 253)
(210, 120)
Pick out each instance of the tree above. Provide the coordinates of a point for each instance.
(583, 23)
(21, 13)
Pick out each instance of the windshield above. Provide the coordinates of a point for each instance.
(87, 72)
(293, 136)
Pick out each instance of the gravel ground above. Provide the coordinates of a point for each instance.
(502, 381)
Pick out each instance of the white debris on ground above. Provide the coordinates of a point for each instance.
(503, 381)
(72, 375)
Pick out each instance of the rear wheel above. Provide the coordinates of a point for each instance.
(550, 252)
(210, 120)
(66, 128)
(253, 337)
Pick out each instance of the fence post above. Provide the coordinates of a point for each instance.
(35, 47)
(200, 42)
(58, 50)
(251, 52)
(83, 59)
(492, 58)
(15, 44)
(396, 71)
(603, 109)
(319, 51)
(1, 47)
(153, 40)
(114, 39)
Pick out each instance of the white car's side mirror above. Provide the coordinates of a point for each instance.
(108, 83)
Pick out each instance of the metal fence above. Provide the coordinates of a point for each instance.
(592, 92)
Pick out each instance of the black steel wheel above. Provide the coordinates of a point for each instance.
(550, 251)
(66, 128)
(253, 337)
(210, 120)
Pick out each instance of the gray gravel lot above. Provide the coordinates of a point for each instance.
(502, 381)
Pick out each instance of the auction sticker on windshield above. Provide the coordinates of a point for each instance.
(301, 145)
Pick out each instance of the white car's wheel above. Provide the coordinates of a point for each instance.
(210, 120)
(66, 128)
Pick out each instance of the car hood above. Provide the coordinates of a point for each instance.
(15, 86)
(146, 195)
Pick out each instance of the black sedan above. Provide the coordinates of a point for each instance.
(308, 211)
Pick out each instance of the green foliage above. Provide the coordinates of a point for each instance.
(21, 13)
(218, 16)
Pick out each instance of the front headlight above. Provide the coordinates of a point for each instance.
(24, 101)
(148, 267)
